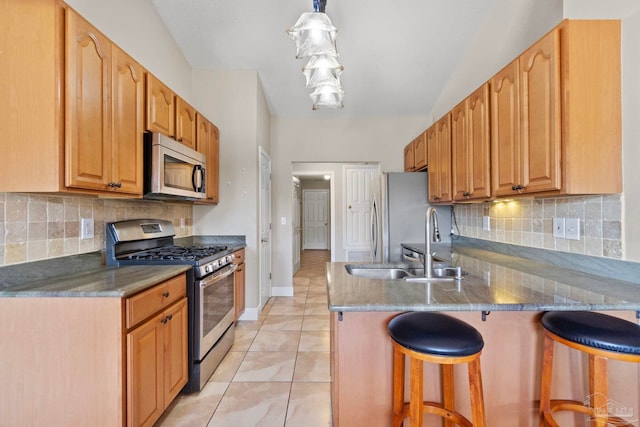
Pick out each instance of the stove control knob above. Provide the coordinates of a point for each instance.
(208, 268)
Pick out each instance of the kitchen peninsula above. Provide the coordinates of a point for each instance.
(502, 296)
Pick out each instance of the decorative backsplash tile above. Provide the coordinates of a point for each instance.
(529, 222)
(35, 227)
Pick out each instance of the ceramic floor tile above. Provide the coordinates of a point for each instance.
(282, 323)
(316, 309)
(314, 341)
(243, 339)
(317, 299)
(287, 309)
(309, 405)
(267, 340)
(266, 366)
(228, 367)
(316, 323)
(194, 410)
(312, 366)
(252, 405)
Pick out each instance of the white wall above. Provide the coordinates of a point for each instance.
(376, 139)
(137, 28)
(233, 101)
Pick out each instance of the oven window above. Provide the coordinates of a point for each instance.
(217, 300)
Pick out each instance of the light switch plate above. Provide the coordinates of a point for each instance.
(572, 228)
(558, 228)
(486, 223)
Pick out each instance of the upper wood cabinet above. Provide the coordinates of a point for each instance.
(439, 153)
(409, 163)
(556, 114)
(470, 147)
(103, 112)
(415, 154)
(208, 144)
(420, 152)
(185, 123)
(161, 107)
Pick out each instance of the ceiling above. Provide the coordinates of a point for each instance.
(397, 55)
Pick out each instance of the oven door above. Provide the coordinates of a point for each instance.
(214, 309)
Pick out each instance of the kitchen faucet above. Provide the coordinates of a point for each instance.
(430, 226)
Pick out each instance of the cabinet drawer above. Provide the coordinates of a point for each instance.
(146, 303)
(239, 256)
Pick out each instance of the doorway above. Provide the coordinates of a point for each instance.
(265, 227)
(315, 220)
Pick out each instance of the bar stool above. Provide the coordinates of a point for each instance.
(602, 337)
(444, 340)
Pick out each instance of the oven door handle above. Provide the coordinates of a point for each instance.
(218, 275)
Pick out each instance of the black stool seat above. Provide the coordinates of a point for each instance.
(435, 333)
(594, 330)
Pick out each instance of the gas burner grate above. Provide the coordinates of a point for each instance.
(177, 253)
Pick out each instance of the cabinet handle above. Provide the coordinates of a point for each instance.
(115, 184)
(166, 319)
(517, 187)
(466, 194)
(165, 294)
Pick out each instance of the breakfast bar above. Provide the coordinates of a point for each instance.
(503, 297)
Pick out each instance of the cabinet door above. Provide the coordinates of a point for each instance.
(87, 106)
(460, 152)
(440, 163)
(160, 107)
(145, 360)
(420, 151)
(207, 144)
(239, 276)
(176, 364)
(185, 123)
(127, 130)
(479, 143)
(505, 130)
(540, 103)
(408, 158)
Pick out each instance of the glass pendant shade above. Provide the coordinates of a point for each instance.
(314, 35)
(322, 69)
(327, 95)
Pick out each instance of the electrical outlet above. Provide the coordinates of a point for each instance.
(558, 228)
(182, 223)
(86, 228)
(572, 228)
(486, 223)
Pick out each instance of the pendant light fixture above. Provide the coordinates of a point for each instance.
(315, 38)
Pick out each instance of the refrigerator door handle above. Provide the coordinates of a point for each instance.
(374, 230)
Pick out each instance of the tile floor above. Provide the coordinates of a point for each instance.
(277, 372)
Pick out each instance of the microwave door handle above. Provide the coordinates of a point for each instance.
(199, 186)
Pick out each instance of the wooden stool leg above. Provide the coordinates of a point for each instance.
(545, 386)
(598, 389)
(398, 387)
(448, 394)
(415, 398)
(477, 398)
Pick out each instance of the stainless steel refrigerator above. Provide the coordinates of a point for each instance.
(399, 216)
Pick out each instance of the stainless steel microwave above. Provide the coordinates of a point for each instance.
(172, 171)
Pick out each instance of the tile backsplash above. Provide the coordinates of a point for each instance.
(529, 222)
(35, 227)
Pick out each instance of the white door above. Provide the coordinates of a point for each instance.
(265, 227)
(360, 183)
(295, 224)
(315, 211)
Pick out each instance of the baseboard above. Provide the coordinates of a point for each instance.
(282, 291)
(249, 314)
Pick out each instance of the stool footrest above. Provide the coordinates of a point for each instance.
(558, 405)
(436, 409)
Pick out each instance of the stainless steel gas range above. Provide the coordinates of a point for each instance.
(210, 286)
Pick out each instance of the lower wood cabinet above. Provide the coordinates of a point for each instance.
(93, 361)
(239, 277)
(157, 366)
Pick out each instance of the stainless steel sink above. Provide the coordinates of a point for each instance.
(440, 271)
(377, 271)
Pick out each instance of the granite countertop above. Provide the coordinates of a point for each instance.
(494, 282)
